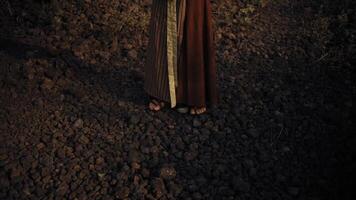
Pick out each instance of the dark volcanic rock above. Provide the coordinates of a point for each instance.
(168, 173)
(78, 123)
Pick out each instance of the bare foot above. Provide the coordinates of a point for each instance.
(154, 105)
(197, 111)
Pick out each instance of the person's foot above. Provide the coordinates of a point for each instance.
(154, 105)
(197, 111)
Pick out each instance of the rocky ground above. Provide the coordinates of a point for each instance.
(74, 122)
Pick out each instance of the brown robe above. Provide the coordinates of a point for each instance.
(197, 80)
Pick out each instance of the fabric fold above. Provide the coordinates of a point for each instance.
(180, 66)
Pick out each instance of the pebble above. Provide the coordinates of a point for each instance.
(253, 133)
(293, 191)
(168, 173)
(47, 84)
(135, 166)
(124, 193)
(99, 161)
(196, 122)
(159, 188)
(191, 155)
(84, 140)
(40, 146)
(241, 185)
(134, 120)
(132, 54)
(78, 123)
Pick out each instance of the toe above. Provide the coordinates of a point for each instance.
(201, 110)
(153, 106)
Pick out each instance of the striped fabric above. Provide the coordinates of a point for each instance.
(156, 70)
(172, 50)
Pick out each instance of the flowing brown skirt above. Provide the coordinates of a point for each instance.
(197, 84)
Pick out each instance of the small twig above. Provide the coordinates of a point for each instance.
(273, 140)
(280, 132)
(9, 7)
(321, 58)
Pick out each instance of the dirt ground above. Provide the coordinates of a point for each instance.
(74, 122)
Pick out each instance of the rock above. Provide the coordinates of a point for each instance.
(240, 185)
(286, 149)
(78, 123)
(40, 146)
(123, 193)
(3, 157)
(136, 180)
(196, 122)
(253, 172)
(176, 189)
(145, 173)
(61, 153)
(191, 155)
(62, 189)
(197, 195)
(47, 84)
(77, 168)
(280, 178)
(134, 120)
(205, 131)
(135, 166)
(84, 140)
(293, 191)
(248, 163)
(159, 187)
(99, 161)
(192, 186)
(134, 156)
(62, 97)
(253, 133)
(168, 173)
(16, 172)
(46, 179)
(101, 175)
(132, 54)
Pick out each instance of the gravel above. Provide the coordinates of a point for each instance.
(75, 125)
